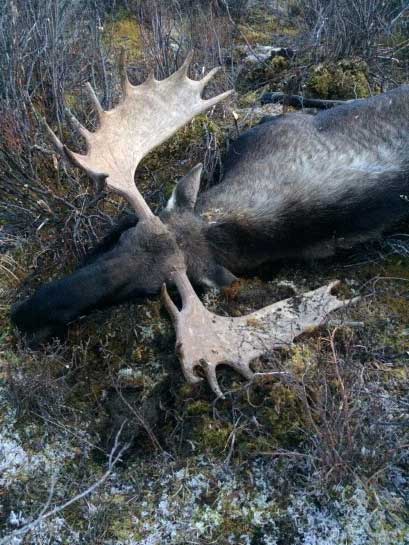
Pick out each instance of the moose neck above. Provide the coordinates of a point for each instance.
(235, 237)
(236, 247)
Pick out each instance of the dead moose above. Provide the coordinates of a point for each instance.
(296, 185)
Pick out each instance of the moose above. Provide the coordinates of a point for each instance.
(293, 186)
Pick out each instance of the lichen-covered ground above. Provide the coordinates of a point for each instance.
(316, 453)
(103, 442)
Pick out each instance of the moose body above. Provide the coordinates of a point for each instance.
(294, 186)
(301, 185)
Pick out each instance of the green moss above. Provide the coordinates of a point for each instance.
(394, 267)
(277, 409)
(187, 390)
(248, 99)
(271, 70)
(124, 32)
(254, 446)
(285, 417)
(346, 79)
(302, 359)
(277, 64)
(123, 530)
(399, 306)
(71, 100)
(213, 435)
(395, 274)
(233, 527)
(198, 408)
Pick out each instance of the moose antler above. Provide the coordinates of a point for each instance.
(147, 116)
(204, 340)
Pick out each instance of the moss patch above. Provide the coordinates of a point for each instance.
(346, 79)
(124, 32)
(213, 435)
(169, 160)
(271, 71)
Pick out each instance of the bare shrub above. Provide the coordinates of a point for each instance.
(342, 28)
(47, 50)
(355, 420)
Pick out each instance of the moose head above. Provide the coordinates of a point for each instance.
(172, 248)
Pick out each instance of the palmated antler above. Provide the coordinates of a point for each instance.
(205, 340)
(146, 117)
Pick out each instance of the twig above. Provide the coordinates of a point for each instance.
(140, 420)
(345, 400)
(345, 323)
(44, 514)
(298, 101)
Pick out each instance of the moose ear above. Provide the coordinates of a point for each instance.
(185, 193)
(219, 277)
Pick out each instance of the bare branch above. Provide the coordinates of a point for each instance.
(44, 514)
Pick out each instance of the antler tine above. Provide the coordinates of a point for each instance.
(76, 159)
(201, 84)
(215, 100)
(211, 377)
(243, 369)
(205, 80)
(169, 304)
(183, 71)
(76, 125)
(125, 85)
(81, 161)
(58, 145)
(94, 99)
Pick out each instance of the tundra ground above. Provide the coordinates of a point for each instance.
(315, 451)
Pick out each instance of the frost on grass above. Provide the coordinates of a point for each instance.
(13, 459)
(193, 500)
(349, 520)
(19, 462)
(49, 532)
(213, 503)
(28, 466)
